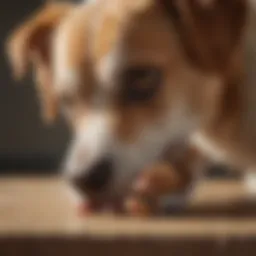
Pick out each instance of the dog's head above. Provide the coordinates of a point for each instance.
(131, 77)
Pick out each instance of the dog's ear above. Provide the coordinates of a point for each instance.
(31, 44)
(210, 30)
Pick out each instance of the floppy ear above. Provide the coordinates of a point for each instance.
(31, 44)
(210, 30)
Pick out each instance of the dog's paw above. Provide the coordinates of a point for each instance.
(158, 180)
(155, 183)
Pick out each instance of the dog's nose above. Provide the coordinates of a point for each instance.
(96, 179)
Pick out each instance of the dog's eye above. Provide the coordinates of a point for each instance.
(140, 83)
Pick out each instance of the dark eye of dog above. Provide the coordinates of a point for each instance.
(140, 84)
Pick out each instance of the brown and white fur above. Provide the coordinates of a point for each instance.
(134, 79)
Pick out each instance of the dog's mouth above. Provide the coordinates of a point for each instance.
(98, 187)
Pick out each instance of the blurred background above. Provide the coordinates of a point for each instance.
(26, 143)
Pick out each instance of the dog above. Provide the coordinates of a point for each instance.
(138, 80)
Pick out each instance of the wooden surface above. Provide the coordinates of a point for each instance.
(36, 213)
